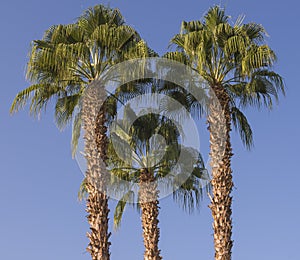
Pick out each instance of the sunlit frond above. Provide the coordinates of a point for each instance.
(234, 56)
(23, 96)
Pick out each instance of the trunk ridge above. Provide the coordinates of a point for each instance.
(220, 154)
(150, 209)
(96, 174)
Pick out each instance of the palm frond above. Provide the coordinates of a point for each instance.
(82, 193)
(235, 57)
(214, 17)
(119, 210)
(23, 96)
(241, 124)
(177, 56)
(190, 26)
(64, 109)
(255, 32)
(257, 57)
(76, 131)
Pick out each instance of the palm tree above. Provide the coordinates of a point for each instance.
(237, 64)
(147, 159)
(61, 67)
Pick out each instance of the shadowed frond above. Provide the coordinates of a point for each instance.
(177, 56)
(76, 131)
(190, 26)
(241, 124)
(64, 109)
(82, 193)
(119, 210)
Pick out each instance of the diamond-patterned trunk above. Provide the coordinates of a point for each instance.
(148, 196)
(93, 116)
(220, 154)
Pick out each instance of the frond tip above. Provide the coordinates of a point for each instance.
(23, 96)
(241, 124)
(119, 210)
(82, 193)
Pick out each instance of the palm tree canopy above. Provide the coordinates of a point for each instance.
(152, 143)
(68, 57)
(234, 56)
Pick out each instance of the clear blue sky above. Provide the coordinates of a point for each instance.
(40, 217)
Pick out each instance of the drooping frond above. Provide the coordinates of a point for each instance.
(64, 109)
(234, 56)
(76, 131)
(191, 191)
(69, 57)
(177, 56)
(133, 135)
(263, 87)
(82, 193)
(119, 210)
(22, 97)
(257, 57)
(255, 32)
(241, 124)
(235, 44)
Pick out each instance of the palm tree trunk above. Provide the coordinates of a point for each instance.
(220, 154)
(97, 209)
(149, 205)
(96, 175)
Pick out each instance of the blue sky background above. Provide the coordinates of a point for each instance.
(40, 216)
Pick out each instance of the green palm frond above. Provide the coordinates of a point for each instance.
(233, 56)
(82, 193)
(273, 78)
(241, 124)
(235, 44)
(263, 87)
(177, 56)
(215, 16)
(68, 57)
(76, 131)
(23, 96)
(119, 210)
(64, 109)
(255, 32)
(99, 14)
(190, 26)
(190, 193)
(42, 97)
(257, 57)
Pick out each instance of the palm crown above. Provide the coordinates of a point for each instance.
(152, 143)
(69, 57)
(234, 57)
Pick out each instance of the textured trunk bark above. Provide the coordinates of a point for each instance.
(97, 209)
(96, 174)
(220, 154)
(149, 205)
